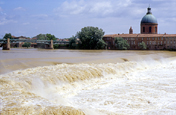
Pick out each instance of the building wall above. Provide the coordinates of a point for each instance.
(153, 43)
(110, 42)
(145, 28)
(20, 43)
(171, 42)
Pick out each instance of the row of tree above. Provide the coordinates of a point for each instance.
(45, 37)
(39, 37)
(88, 38)
(91, 38)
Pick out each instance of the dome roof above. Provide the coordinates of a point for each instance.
(149, 18)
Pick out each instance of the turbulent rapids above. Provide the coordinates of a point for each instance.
(145, 87)
(75, 82)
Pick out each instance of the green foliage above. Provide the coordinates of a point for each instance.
(101, 44)
(50, 37)
(121, 43)
(89, 36)
(46, 37)
(26, 44)
(143, 45)
(72, 42)
(41, 37)
(58, 46)
(8, 35)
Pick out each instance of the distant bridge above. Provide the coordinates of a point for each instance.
(5, 43)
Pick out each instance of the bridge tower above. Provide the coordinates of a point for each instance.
(49, 46)
(7, 45)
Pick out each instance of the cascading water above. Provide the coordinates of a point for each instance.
(92, 82)
(143, 87)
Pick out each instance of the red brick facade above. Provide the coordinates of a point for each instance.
(149, 28)
(153, 41)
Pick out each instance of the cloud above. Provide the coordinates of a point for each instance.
(19, 9)
(133, 9)
(1, 11)
(92, 7)
(4, 21)
(102, 7)
(72, 7)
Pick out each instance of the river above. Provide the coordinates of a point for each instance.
(87, 82)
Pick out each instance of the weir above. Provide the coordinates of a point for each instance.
(5, 43)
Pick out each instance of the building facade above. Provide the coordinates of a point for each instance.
(149, 35)
(20, 43)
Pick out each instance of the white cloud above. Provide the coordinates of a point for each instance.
(102, 7)
(20, 9)
(72, 7)
(1, 11)
(92, 7)
(4, 21)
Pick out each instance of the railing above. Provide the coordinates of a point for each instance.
(4, 41)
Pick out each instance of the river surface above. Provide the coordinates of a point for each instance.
(87, 82)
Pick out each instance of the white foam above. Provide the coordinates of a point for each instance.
(142, 87)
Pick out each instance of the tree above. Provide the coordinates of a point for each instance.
(8, 35)
(143, 45)
(72, 42)
(101, 44)
(46, 37)
(50, 37)
(41, 37)
(121, 44)
(89, 37)
(26, 44)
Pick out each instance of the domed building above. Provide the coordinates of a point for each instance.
(148, 34)
(149, 24)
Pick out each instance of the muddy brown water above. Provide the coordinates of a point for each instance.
(87, 82)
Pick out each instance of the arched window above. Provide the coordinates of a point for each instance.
(155, 29)
(150, 29)
(143, 29)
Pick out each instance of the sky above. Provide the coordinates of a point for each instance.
(64, 18)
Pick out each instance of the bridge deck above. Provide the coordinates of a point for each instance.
(4, 41)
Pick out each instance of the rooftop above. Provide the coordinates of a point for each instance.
(140, 35)
(149, 18)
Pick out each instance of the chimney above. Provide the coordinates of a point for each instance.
(130, 30)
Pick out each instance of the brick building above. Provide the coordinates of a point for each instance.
(20, 43)
(148, 35)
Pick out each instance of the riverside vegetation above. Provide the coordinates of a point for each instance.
(88, 38)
